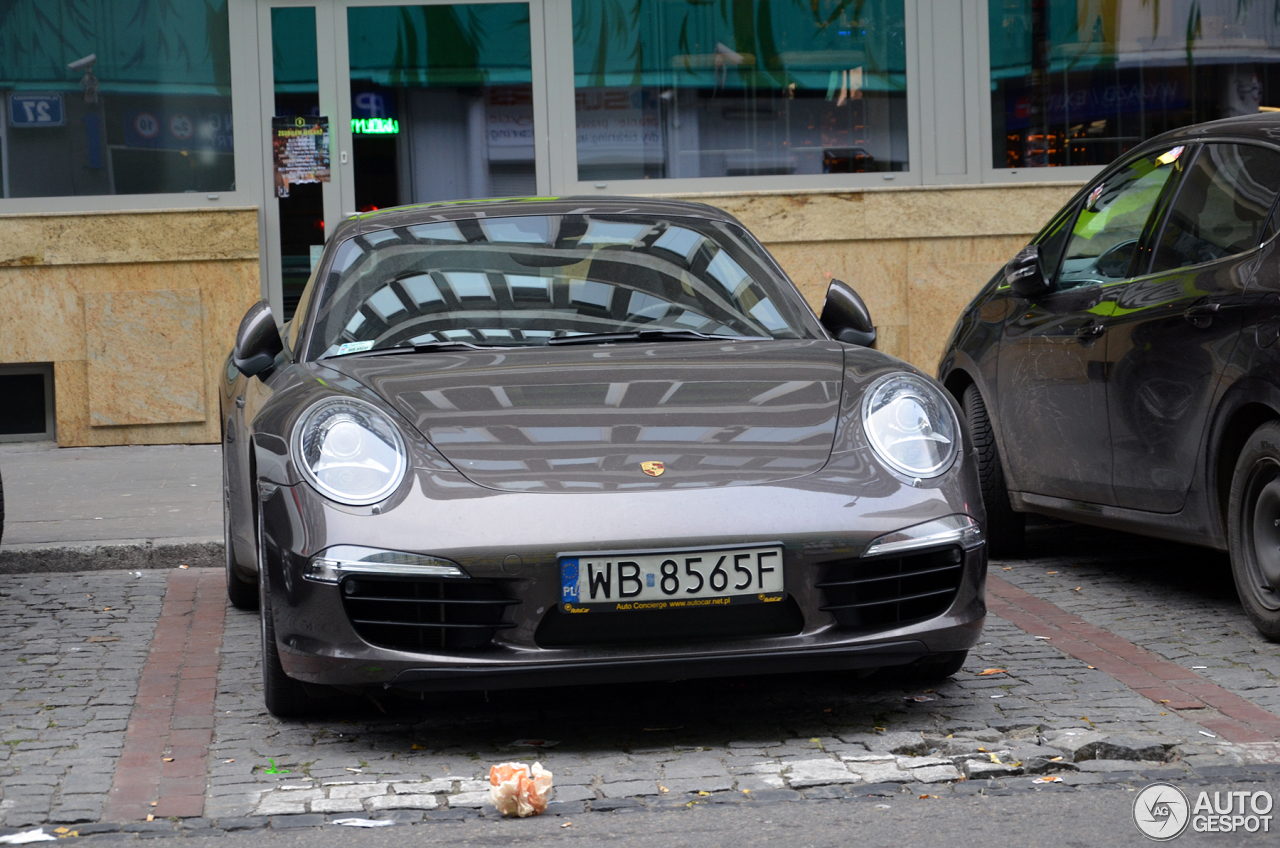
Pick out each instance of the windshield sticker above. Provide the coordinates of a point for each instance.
(1172, 156)
(354, 347)
(1094, 195)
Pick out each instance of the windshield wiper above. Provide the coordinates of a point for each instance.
(650, 335)
(418, 347)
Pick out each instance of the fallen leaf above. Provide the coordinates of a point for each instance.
(702, 794)
(150, 817)
(662, 790)
(881, 729)
(985, 672)
(416, 747)
(746, 792)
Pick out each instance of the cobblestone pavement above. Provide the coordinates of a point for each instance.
(1024, 715)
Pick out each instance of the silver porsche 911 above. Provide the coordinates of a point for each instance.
(536, 442)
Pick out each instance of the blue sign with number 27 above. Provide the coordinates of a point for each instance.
(36, 110)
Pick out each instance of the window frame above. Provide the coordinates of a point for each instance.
(242, 30)
(1152, 227)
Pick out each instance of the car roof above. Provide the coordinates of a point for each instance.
(508, 207)
(1264, 126)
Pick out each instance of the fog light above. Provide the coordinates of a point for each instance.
(336, 562)
(953, 529)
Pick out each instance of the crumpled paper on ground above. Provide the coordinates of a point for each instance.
(519, 790)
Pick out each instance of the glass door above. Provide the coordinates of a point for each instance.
(299, 102)
(423, 101)
(442, 101)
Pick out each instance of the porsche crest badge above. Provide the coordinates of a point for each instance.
(653, 468)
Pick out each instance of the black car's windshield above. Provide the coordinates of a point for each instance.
(535, 279)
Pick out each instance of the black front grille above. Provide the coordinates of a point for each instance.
(424, 615)
(891, 590)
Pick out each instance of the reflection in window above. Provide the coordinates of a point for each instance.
(673, 88)
(454, 83)
(1221, 206)
(150, 114)
(1106, 232)
(1079, 83)
(592, 274)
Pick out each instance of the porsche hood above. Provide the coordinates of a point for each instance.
(618, 417)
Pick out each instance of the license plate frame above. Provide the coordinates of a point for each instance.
(639, 580)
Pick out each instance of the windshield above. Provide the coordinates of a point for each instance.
(528, 280)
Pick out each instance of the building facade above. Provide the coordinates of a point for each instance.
(166, 163)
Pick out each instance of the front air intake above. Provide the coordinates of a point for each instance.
(424, 615)
(880, 592)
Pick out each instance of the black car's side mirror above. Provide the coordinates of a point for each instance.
(258, 341)
(1025, 273)
(846, 317)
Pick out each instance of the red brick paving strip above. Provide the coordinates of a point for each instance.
(173, 714)
(1154, 677)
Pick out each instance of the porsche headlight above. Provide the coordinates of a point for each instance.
(349, 451)
(910, 425)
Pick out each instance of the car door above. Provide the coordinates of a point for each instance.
(1173, 330)
(1052, 392)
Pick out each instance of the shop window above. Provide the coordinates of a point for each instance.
(106, 97)
(677, 89)
(1080, 83)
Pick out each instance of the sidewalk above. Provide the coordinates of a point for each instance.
(139, 506)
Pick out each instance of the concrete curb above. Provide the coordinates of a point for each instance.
(106, 556)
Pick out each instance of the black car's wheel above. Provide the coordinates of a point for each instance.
(1253, 529)
(940, 667)
(1004, 526)
(284, 696)
(242, 594)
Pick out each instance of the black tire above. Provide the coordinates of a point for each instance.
(1253, 529)
(939, 668)
(284, 696)
(1005, 528)
(242, 594)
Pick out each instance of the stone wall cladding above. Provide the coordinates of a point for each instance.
(52, 265)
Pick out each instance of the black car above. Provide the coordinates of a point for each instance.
(536, 442)
(1123, 370)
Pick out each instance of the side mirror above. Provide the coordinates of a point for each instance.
(1025, 273)
(258, 341)
(846, 317)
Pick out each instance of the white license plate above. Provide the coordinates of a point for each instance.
(621, 582)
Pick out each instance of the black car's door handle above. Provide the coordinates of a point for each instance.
(1091, 331)
(1201, 314)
